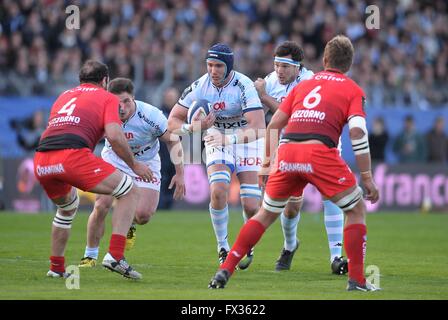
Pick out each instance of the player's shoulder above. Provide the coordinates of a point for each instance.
(195, 86)
(199, 83)
(104, 96)
(354, 87)
(271, 78)
(305, 74)
(241, 81)
(148, 109)
(241, 77)
(149, 114)
(145, 106)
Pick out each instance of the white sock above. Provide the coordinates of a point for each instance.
(91, 252)
(289, 227)
(334, 224)
(220, 220)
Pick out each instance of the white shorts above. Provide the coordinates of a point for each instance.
(238, 157)
(153, 164)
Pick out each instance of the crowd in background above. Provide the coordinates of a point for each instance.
(163, 43)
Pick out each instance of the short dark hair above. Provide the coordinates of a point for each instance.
(120, 85)
(93, 71)
(339, 53)
(290, 48)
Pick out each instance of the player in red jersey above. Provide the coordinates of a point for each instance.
(79, 118)
(314, 114)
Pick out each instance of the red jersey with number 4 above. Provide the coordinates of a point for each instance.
(319, 108)
(78, 118)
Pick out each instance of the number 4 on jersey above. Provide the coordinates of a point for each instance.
(68, 107)
(310, 96)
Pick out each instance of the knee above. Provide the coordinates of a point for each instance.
(251, 208)
(143, 217)
(292, 209)
(358, 211)
(219, 193)
(102, 208)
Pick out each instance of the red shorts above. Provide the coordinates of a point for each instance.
(300, 164)
(59, 170)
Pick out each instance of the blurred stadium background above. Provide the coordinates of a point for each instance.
(161, 46)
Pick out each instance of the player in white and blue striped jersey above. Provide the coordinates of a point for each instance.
(143, 126)
(289, 71)
(234, 144)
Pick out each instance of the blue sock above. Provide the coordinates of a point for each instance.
(289, 227)
(220, 220)
(334, 224)
(91, 252)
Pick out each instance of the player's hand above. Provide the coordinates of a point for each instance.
(142, 171)
(205, 123)
(215, 138)
(179, 183)
(260, 86)
(372, 193)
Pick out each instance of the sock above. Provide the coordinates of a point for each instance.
(289, 227)
(355, 236)
(57, 264)
(116, 246)
(334, 224)
(248, 237)
(220, 219)
(91, 252)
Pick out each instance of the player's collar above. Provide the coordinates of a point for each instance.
(226, 83)
(334, 70)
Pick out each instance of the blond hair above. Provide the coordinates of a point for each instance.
(338, 53)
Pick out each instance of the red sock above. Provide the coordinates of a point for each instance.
(57, 264)
(249, 235)
(116, 246)
(355, 247)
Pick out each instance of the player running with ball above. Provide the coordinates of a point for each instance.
(314, 114)
(235, 144)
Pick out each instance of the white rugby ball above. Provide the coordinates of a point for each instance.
(199, 109)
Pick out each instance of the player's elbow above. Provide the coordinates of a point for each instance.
(356, 133)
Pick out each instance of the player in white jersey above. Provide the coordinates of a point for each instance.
(272, 90)
(143, 126)
(234, 144)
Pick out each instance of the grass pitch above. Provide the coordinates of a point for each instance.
(176, 253)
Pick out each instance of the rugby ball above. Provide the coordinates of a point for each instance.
(199, 109)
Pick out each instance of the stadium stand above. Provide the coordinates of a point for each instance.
(404, 63)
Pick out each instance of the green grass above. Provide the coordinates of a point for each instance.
(176, 253)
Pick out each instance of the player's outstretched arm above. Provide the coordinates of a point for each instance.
(360, 145)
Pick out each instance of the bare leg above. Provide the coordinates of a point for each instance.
(96, 223)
